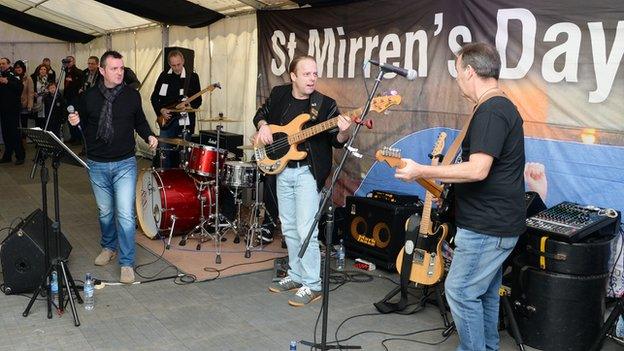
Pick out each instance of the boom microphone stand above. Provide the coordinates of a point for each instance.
(328, 209)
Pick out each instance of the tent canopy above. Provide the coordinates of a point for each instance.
(83, 20)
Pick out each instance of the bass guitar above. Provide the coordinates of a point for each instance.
(164, 122)
(427, 261)
(272, 159)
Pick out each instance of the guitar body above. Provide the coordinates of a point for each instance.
(427, 263)
(165, 122)
(272, 159)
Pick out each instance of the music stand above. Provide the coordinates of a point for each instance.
(48, 145)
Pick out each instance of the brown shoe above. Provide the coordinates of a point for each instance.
(105, 257)
(127, 275)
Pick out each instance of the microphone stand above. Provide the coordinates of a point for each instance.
(328, 209)
(45, 127)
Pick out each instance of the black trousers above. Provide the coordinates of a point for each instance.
(10, 121)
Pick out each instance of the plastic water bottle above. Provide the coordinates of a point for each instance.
(340, 256)
(54, 286)
(293, 346)
(619, 327)
(89, 299)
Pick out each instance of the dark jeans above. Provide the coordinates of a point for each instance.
(9, 121)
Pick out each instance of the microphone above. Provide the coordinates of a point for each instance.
(410, 74)
(71, 110)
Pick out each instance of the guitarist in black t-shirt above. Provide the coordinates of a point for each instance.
(489, 197)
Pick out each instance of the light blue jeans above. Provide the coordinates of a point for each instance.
(114, 187)
(298, 202)
(472, 287)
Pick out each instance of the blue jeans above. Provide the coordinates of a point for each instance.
(472, 287)
(114, 187)
(298, 202)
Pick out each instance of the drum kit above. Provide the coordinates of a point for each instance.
(185, 201)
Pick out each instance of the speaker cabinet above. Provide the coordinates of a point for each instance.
(227, 140)
(189, 58)
(23, 253)
(375, 230)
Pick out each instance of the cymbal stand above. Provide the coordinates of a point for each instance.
(217, 214)
(255, 226)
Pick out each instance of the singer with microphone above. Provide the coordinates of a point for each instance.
(108, 115)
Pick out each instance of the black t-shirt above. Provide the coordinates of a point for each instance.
(294, 108)
(495, 205)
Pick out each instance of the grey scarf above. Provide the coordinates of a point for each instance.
(105, 129)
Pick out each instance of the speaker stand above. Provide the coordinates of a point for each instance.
(618, 311)
(64, 277)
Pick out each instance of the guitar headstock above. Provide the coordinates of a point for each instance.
(437, 148)
(382, 103)
(390, 155)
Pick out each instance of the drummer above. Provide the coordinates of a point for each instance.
(173, 86)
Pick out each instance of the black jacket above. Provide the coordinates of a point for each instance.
(10, 93)
(172, 95)
(128, 116)
(319, 147)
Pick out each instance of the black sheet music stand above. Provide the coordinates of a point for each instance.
(49, 146)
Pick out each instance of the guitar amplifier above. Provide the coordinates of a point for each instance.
(228, 141)
(374, 229)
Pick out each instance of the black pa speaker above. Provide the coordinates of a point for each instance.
(375, 229)
(23, 256)
(189, 58)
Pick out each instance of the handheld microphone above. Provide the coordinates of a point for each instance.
(71, 110)
(410, 74)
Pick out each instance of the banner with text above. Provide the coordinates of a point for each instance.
(560, 65)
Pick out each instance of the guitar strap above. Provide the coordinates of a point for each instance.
(454, 148)
(315, 104)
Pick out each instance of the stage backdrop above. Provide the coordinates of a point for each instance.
(561, 66)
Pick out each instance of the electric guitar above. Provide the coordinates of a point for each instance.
(392, 156)
(272, 159)
(164, 122)
(427, 262)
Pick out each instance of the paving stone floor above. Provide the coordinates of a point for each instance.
(236, 313)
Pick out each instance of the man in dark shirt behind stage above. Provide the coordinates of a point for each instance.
(489, 197)
(172, 87)
(111, 112)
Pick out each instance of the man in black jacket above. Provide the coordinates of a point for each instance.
(110, 114)
(299, 184)
(10, 105)
(174, 86)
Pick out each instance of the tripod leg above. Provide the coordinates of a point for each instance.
(617, 311)
(441, 305)
(515, 331)
(71, 298)
(42, 285)
(73, 286)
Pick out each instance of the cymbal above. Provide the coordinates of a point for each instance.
(175, 141)
(226, 120)
(246, 147)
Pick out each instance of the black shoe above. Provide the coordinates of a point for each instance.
(5, 160)
(19, 162)
(266, 235)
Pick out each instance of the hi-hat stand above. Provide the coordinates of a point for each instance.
(48, 145)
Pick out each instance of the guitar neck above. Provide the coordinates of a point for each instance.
(199, 93)
(321, 127)
(426, 227)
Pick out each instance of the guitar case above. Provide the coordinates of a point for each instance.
(411, 235)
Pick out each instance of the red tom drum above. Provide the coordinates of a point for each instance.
(203, 160)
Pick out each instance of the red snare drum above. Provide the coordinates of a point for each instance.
(203, 160)
(163, 195)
